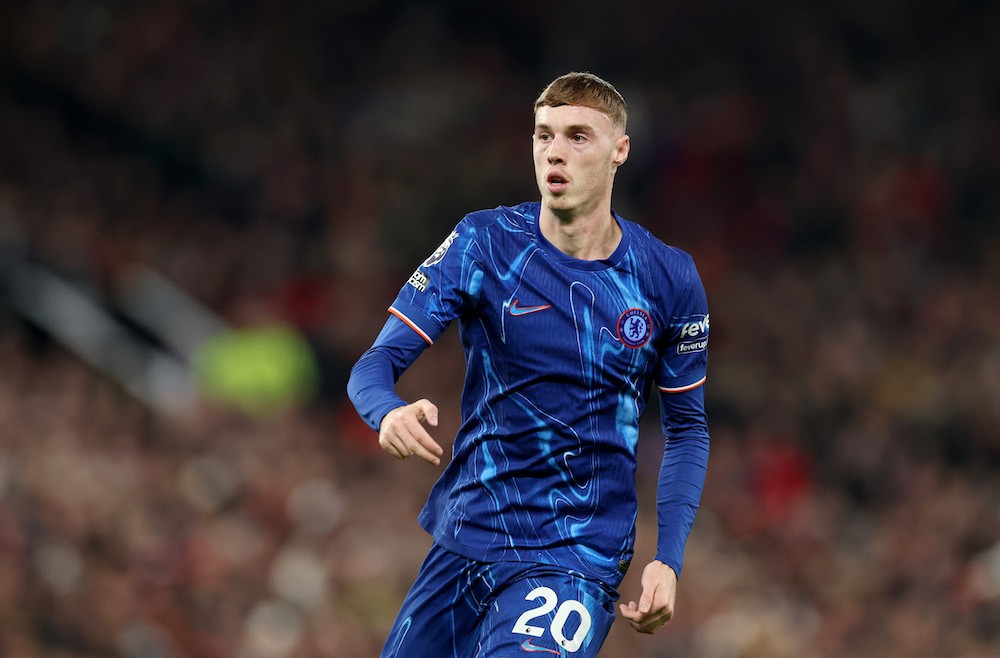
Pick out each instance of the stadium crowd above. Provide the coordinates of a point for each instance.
(833, 171)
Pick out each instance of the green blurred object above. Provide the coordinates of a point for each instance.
(259, 370)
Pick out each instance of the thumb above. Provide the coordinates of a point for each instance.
(646, 600)
(427, 410)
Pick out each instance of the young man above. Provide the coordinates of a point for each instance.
(567, 313)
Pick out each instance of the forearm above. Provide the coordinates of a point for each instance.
(682, 476)
(372, 385)
(372, 388)
(682, 473)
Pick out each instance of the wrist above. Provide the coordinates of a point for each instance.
(667, 561)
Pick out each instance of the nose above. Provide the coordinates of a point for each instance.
(555, 151)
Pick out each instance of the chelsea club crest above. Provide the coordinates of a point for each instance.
(634, 327)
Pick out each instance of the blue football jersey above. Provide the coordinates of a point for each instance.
(561, 354)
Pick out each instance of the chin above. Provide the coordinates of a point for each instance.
(557, 202)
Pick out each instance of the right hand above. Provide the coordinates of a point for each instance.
(402, 433)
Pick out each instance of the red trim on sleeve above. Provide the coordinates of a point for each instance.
(681, 389)
(411, 325)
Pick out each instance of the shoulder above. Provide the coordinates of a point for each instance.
(517, 217)
(507, 226)
(662, 258)
(481, 232)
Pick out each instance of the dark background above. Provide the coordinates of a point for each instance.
(198, 485)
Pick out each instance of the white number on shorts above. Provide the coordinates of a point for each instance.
(558, 625)
(549, 604)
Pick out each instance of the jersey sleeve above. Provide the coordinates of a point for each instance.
(684, 355)
(444, 286)
(681, 373)
(372, 384)
(682, 471)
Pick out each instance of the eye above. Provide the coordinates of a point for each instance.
(543, 137)
(579, 138)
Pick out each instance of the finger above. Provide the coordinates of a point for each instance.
(646, 600)
(392, 438)
(420, 436)
(631, 612)
(643, 623)
(647, 624)
(388, 436)
(425, 454)
(416, 446)
(402, 435)
(426, 411)
(652, 626)
(658, 624)
(390, 447)
(639, 626)
(422, 445)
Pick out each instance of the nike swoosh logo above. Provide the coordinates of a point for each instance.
(517, 309)
(533, 648)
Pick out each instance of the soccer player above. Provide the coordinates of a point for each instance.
(568, 313)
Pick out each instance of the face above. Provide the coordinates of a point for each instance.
(577, 151)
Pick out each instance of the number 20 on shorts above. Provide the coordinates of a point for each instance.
(558, 626)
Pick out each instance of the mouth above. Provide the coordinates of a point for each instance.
(556, 183)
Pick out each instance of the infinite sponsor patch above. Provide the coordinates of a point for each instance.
(419, 280)
(635, 327)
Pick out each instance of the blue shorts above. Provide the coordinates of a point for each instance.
(461, 608)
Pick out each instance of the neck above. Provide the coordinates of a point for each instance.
(586, 237)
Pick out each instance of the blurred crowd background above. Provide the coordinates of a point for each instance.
(205, 208)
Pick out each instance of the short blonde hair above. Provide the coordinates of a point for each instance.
(585, 90)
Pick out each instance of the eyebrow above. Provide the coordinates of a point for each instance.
(575, 128)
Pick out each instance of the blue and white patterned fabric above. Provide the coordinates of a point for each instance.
(561, 354)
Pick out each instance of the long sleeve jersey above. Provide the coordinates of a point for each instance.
(561, 354)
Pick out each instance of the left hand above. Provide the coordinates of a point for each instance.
(656, 605)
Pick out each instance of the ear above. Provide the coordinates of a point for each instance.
(620, 154)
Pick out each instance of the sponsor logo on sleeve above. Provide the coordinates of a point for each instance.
(695, 328)
(419, 280)
(692, 346)
(696, 333)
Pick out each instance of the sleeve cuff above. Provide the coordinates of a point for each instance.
(673, 564)
(416, 320)
(683, 383)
